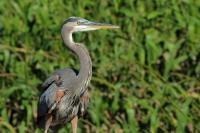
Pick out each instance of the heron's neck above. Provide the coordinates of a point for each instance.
(85, 71)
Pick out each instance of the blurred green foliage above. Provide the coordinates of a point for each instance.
(145, 75)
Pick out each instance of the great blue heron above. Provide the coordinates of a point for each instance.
(66, 96)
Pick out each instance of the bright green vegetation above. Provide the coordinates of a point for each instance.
(145, 74)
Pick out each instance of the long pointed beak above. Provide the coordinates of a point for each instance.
(101, 25)
(89, 25)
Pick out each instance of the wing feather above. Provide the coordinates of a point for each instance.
(46, 100)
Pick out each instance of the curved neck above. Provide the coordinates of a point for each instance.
(85, 71)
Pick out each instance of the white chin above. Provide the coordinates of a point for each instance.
(83, 28)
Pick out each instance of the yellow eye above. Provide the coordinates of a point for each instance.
(78, 22)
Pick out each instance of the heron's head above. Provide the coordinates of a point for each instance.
(77, 24)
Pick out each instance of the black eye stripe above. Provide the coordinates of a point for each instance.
(70, 20)
(80, 22)
(77, 20)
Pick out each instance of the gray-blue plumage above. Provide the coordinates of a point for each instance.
(67, 82)
(67, 77)
(65, 93)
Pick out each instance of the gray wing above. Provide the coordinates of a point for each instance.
(66, 77)
(62, 74)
